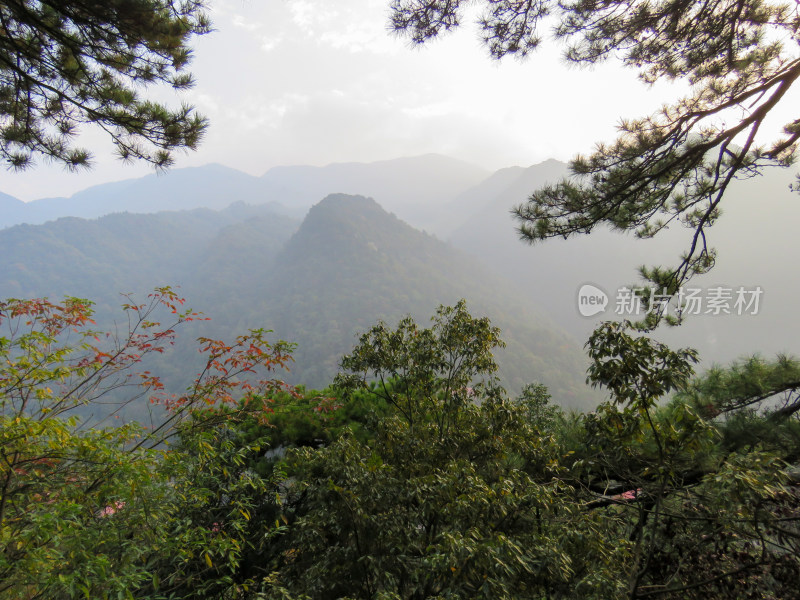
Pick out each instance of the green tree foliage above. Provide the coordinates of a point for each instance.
(89, 508)
(749, 384)
(473, 495)
(754, 403)
(221, 514)
(317, 418)
(674, 166)
(65, 64)
(426, 366)
(458, 493)
(705, 518)
(414, 515)
(442, 488)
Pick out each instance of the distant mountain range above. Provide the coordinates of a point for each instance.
(455, 201)
(416, 189)
(318, 283)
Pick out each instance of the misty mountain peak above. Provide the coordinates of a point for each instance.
(344, 223)
(346, 202)
(351, 212)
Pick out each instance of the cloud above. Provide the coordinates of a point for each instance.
(311, 16)
(314, 81)
(336, 125)
(241, 22)
(358, 37)
(350, 26)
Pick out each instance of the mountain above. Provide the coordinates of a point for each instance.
(11, 210)
(550, 272)
(497, 193)
(233, 262)
(348, 264)
(351, 263)
(125, 252)
(417, 188)
(211, 186)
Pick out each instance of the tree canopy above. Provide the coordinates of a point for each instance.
(740, 57)
(415, 476)
(94, 507)
(459, 491)
(68, 64)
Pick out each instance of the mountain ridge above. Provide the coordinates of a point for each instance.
(407, 185)
(318, 283)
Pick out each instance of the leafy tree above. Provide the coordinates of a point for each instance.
(434, 366)
(740, 56)
(458, 493)
(65, 64)
(80, 511)
(221, 515)
(535, 401)
(85, 504)
(476, 514)
(705, 518)
(317, 418)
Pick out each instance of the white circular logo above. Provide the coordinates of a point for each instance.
(591, 300)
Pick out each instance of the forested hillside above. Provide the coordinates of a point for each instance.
(126, 252)
(351, 264)
(348, 265)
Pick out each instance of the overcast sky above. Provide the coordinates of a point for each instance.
(314, 81)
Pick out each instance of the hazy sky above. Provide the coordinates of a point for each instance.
(315, 82)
